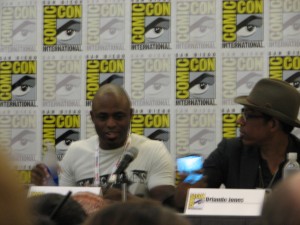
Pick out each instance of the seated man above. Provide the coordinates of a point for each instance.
(256, 158)
(150, 174)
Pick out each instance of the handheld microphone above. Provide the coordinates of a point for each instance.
(129, 156)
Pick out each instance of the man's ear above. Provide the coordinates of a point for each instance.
(275, 123)
(131, 112)
(92, 115)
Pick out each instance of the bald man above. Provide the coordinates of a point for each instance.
(151, 174)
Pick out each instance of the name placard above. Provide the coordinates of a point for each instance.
(39, 190)
(224, 202)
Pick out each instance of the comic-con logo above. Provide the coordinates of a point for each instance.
(196, 201)
(284, 23)
(59, 131)
(150, 78)
(23, 140)
(153, 126)
(195, 133)
(151, 23)
(195, 78)
(239, 75)
(103, 71)
(195, 23)
(18, 133)
(17, 80)
(62, 26)
(230, 128)
(242, 22)
(285, 68)
(61, 80)
(105, 26)
(18, 26)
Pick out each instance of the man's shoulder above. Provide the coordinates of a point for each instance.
(146, 144)
(86, 143)
(232, 142)
(232, 145)
(140, 139)
(295, 140)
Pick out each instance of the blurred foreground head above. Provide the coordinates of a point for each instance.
(13, 199)
(144, 212)
(90, 202)
(42, 206)
(282, 206)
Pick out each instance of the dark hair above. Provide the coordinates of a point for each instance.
(42, 220)
(71, 213)
(144, 212)
(286, 128)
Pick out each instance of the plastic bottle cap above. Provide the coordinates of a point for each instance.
(292, 155)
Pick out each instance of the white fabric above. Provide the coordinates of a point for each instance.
(152, 167)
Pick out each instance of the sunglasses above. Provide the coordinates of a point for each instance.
(246, 115)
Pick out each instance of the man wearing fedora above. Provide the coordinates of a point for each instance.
(256, 158)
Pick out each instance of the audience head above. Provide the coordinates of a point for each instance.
(42, 220)
(144, 212)
(71, 213)
(111, 114)
(90, 202)
(282, 205)
(13, 198)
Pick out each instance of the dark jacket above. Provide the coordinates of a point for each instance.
(236, 165)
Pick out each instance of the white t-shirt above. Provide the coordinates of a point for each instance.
(152, 167)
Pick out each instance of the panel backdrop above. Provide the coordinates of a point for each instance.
(182, 62)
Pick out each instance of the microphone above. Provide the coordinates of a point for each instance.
(129, 156)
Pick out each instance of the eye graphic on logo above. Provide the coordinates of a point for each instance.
(23, 86)
(68, 31)
(23, 140)
(156, 84)
(201, 140)
(157, 28)
(248, 26)
(114, 79)
(65, 139)
(24, 31)
(111, 30)
(201, 28)
(201, 84)
(160, 135)
(291, 28)
(294, 80)
(67, 86)
(247, 82)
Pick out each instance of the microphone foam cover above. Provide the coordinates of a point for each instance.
(133, 152)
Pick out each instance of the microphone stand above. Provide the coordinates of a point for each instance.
(123, 180)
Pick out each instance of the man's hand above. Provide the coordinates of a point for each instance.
(39, 175)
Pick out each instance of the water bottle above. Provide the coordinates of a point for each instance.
(291, 165)
(51, 162)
